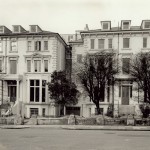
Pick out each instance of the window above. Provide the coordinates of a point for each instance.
(43, 112)
(126, 42)
(0, 46)
(1, 29)
(34, 90)
(92, 43)
(28, 65)
(1, 69)
(79, 58)
(37, 66)
(126, 65)
(38, 46)
(45, 45)
(43, 90)
(109, 43)
(29, 45)
(34, 111)
(12, 90)
(33, 28)
(14, 46)
(101, 43)
(13, 66)
(105, 26)
(144, 42)
(45, 65)
(16, 28)
(125, 25)
(147, 25)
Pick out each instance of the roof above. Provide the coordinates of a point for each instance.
(27, 33)
(116, 29)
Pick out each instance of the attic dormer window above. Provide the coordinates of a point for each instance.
(147, 24)
(16, 29)
(105, 25)
(1, 29)
(33, 28)
(126, 25)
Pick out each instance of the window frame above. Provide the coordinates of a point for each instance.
(37, 45)
(45, 66)
(110, 47)
(144, 42)
(125, 42)
(11, 68)
(37, 66)
(92, 42)
(101, 45)
(14, 47)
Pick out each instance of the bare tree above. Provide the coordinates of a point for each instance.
(140, 69)
(98, 70)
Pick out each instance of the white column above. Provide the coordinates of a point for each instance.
(18, 104)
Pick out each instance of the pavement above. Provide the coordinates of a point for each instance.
(80, 127)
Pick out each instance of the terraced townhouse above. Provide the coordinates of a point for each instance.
(126, 41)
(27, 59)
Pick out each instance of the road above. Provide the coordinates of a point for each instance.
(59, 139)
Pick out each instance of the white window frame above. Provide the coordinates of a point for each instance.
(38, 65)
(29, 44)
(125, 27)
(144, 42)
(101, 45)
(124, 46)
(110, 45)
(14, 46)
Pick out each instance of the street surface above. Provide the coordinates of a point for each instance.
(59, 139)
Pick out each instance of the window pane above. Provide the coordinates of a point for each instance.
(43, 94)
(14, 46)
(13, 66)
(45, 65)
(45, 45)
(38, 45)
(125, 25)
(43, 112)
(31, 82)
(37, 82)
(37, 97)
(37, 66)
(28, 65)
(147, 24)
(144, 42)
(105, 25)
(31, 94)
(126, 43)
(109, 43)
(29, 45)
(101, 43)
(92, 43)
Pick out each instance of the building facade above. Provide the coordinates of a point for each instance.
(126, 41)
(27, 59)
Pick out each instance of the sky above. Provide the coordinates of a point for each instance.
(67, 16)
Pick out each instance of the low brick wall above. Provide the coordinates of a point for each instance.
(7, 120)
(52, 121)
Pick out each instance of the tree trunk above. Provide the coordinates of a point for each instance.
(98, 109)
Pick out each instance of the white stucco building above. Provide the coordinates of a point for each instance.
(27, 59)
(126, 41)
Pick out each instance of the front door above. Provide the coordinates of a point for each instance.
(125, 95)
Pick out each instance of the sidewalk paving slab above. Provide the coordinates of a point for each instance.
(80, 127)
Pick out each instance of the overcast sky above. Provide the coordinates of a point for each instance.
(66, 16)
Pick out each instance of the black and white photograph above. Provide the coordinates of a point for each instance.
(74, 74)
